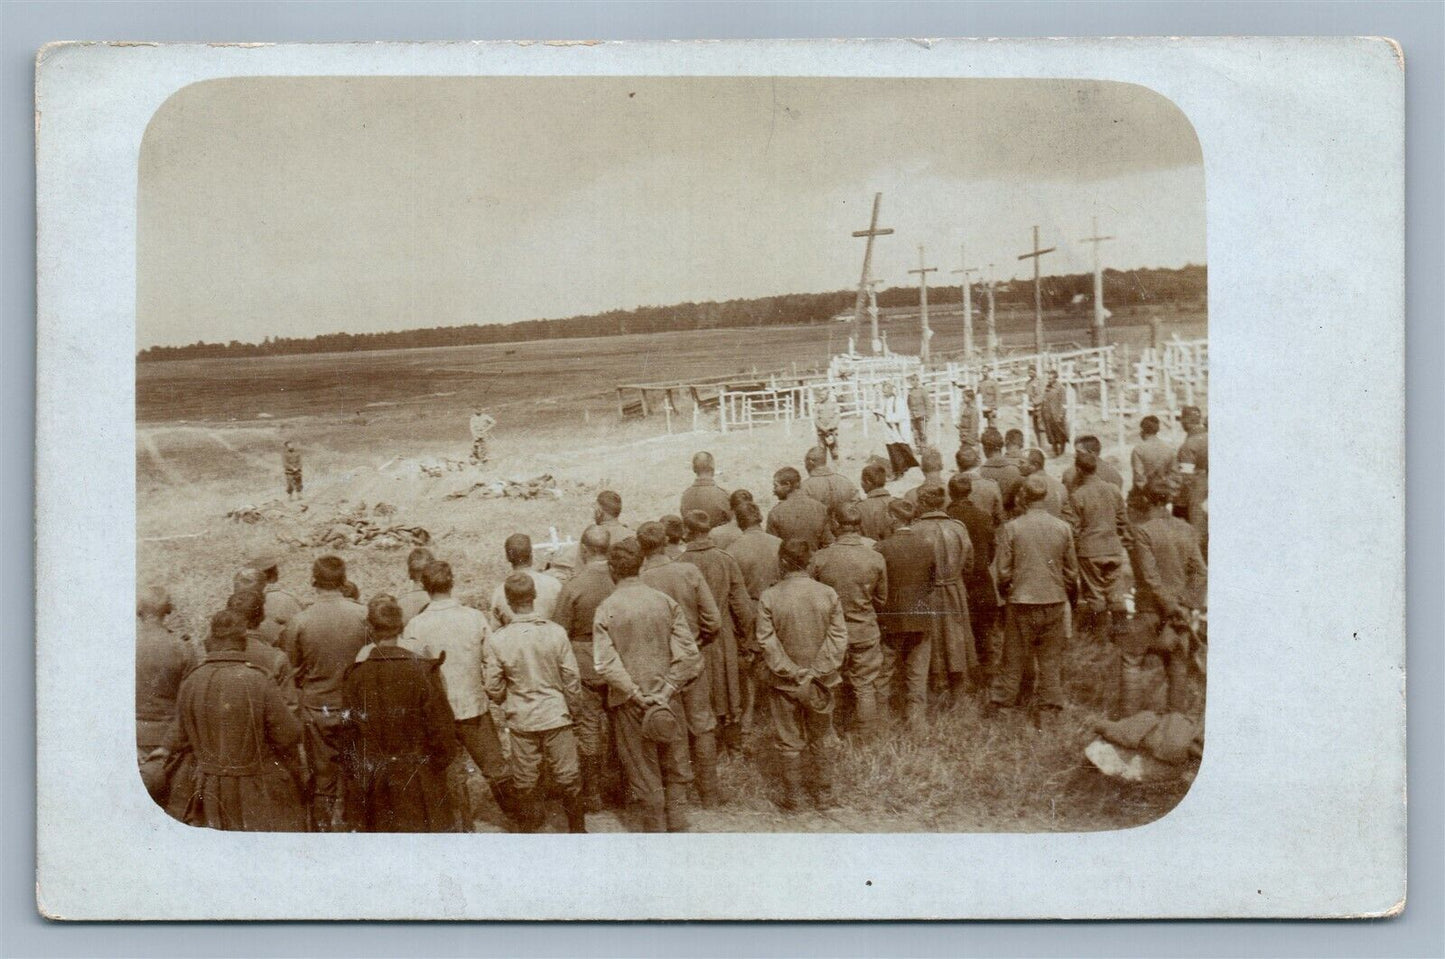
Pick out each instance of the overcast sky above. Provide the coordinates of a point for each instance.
(303, 206)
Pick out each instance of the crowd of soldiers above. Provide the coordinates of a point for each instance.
(625, 673)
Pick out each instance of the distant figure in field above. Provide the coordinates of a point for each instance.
(968, 419)
(918, 412)
(518, 549)
(1056, 420)
(291, 464)
(704, 493)
(1034, 390)
(826, 420)
(989, 397)
(823, 484)
(482, 425)
(893, 412)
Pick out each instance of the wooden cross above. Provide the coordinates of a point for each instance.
(876, 342)
(1038, 296)
(990, 343)
(872, 231)
(1096, 239)
(965, 269)
(923, 272)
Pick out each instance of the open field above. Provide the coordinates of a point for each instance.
(202, 451)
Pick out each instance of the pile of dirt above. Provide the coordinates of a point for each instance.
(538, 487)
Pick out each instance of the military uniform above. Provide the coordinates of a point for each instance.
(858, 574)
(282, 607)
(706, 495)
(800, 517)
(323, 641)
(735, 622)
(829, 488)
(162, 660)
(987, 496)
(955, 659)
(1036, 568)
(548, 588)
(576, 607)
(239, 732)
(989, 395)
(905, 620)
(401, 739)
(1101, 529)
(530, 669)
(918, 415)
(969, 428)
(1151, 458)
(876, 522)
(291, 464)
(412, 601)
(826, 420)
(643, 645)
(723, 536)
(978, 579)
(684, 584)
(1056, 420)
(1003, 474)
(803, 635)
(1193, 465)
(1034, 390)
(1170, 577)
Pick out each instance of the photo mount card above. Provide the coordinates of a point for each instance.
(344, 303)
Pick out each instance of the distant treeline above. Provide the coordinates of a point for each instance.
(1176, 287)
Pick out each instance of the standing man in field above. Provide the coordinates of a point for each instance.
(644, 651)
(955, 659)
(1034, 390)
(875, 522)
(574, 611)
(726, 534)
(282, 606)
(291, 465)
(978, 579)
(605, 515)
(1101, 531)
(827, 418)
(1192, 463)
(531, 672)
(804, 640)
(797, 515)
(546, 588)
(482, 424)
(1151, 456)
(460, 632)
(968, 419)
(823, 483)
(1037, 569)
(1105, 471)
(918, 412)
(735, 610)
(704, 493)
(998, 468)
(756, 552)
(904, 620)
(414, 599)
(162, 660)
(1056, 417)
(986, 495)
(858, 574)
(989, 396)
(684, 585)
(324, 639)
(1057, 494)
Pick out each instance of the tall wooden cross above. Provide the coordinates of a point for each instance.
(965, 269)
(1095, 240)
(872, 231)
(1035, 254)
(923, 272)
(876, 343)
(990, 343)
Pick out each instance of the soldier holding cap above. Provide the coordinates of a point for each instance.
(804, 640)
(858, 574)
(645, 652)
(683, 583)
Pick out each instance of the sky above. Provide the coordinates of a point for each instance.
(299, 206)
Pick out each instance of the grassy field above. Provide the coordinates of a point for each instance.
(204, 452)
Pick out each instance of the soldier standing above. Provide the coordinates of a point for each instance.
(291, 465)
(482, 424)
(858, 574)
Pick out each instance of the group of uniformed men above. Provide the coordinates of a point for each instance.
(628, 671)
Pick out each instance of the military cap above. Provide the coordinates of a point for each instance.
(661, 725)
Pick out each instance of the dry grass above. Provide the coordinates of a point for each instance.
(965, 774)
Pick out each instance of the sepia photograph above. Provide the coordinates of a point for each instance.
(714, 454)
